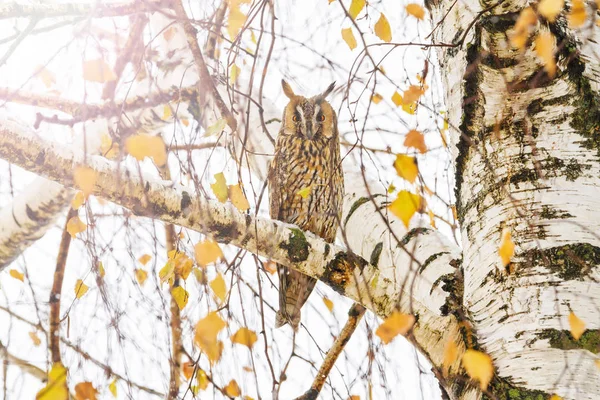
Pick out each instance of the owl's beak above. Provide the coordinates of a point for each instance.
(309, 130)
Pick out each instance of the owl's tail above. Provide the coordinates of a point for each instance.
(281, 320)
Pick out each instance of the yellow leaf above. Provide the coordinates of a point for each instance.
(167, 272)
(217, 127)
(409, 108)
(183, 264)
(237, 197)
(206, 333)
(80, 288)
(234, 73)
(235, 21)
(75, 226)
(101, 270)
(78, 200)
(406, 167)
(219, 287)
(167, 112)
(556, 397)
(85, 179)
(405, 206)
(85, 391)
(219, 188)
(143, 259)
(356, 7)
(98, 71)
(245, 337)
(550, 9)
(412, 94)
(328, 304)
(450, 355)
(45, 76)
(56, 389)
(140, 146)
(415, 10)
(376, 98)
(507, 247)
(304, 192)
(348, 37)
(577, 326)
(181, 296)
(113, 387)
(544, 48)
(141, 276)
(527, 19)
(109, 149)
(232, 389)
(415, 139)
(188, 369)
(247, 398)
(478, 366)
(17, 275)
(397, 99)
(578, 14)
(207, 252)
(35, 339)
(383, 30)
(202, 379)
(199, 274)
(395, 324)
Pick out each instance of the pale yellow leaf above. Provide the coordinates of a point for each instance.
(48, 78)
(544, 48)
(348, 37)
(98, 71)
(405, 206)
(141, 276)
(550, 9)
(577, 326)
(415, 139)
(328, 304)
(181, 296)
(35, 338)
(232, 389)
(56, 388)
(101, 270)
(356, 7)
(304, 192)
(244, 336)
(415, 10)
(140, 146)
(234, 73)
(80, 288)
(167, 112)
(219, 188)
(78, 200)
(85, 179)
(507, 247)
(397, 323)
(17, 275)
(238, 198)
(219, 287)
(479, 367)
(382, 29)
(236, 21)
(207, 252)
(216, 128)
(85, 391)
(578, 14)
(108, 148)
(75, 226)
(406, 167)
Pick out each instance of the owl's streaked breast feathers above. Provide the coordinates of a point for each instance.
(307, 160)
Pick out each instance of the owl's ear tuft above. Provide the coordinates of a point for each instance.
(287, 89)
(327, 91)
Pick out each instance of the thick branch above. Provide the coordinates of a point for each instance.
(97, 9)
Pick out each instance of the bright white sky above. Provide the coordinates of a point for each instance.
(125, 325)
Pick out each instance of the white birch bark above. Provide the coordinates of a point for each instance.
(526, 159)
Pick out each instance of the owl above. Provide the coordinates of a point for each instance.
(306, 186)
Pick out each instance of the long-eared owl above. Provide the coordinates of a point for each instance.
(306, 186)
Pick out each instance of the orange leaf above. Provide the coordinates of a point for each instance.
(207, 252)
(415, 10)
(85, 391)
(75, 226)
(479, 367)
(206, 333)
(550, 9)
(376, 98)
(412, 94)
(188, 369)
(555, 397)
(245, 337)
(237, 197)
(397, 323)
(140, 146)
(328, 304)
(527, 19)
(219, 287)
(382, 29)
(85, 179)
(415, 139)
(98, 71)
(544, 48)
(271, 267)
(577, 326)
(46, 76)
(450, 354)
(144, 259)
(405, 206)
(406, 167)
(578, 14)
(232, 389)
(507, 247)
(348, 37)
(17, 275)
(35, 339)
(80, 288)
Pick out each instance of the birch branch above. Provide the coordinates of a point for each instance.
(21, 9)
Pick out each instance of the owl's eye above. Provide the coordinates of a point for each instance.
(321, 118)
(295, 118)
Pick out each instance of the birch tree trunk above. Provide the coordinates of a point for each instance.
(526, 151)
